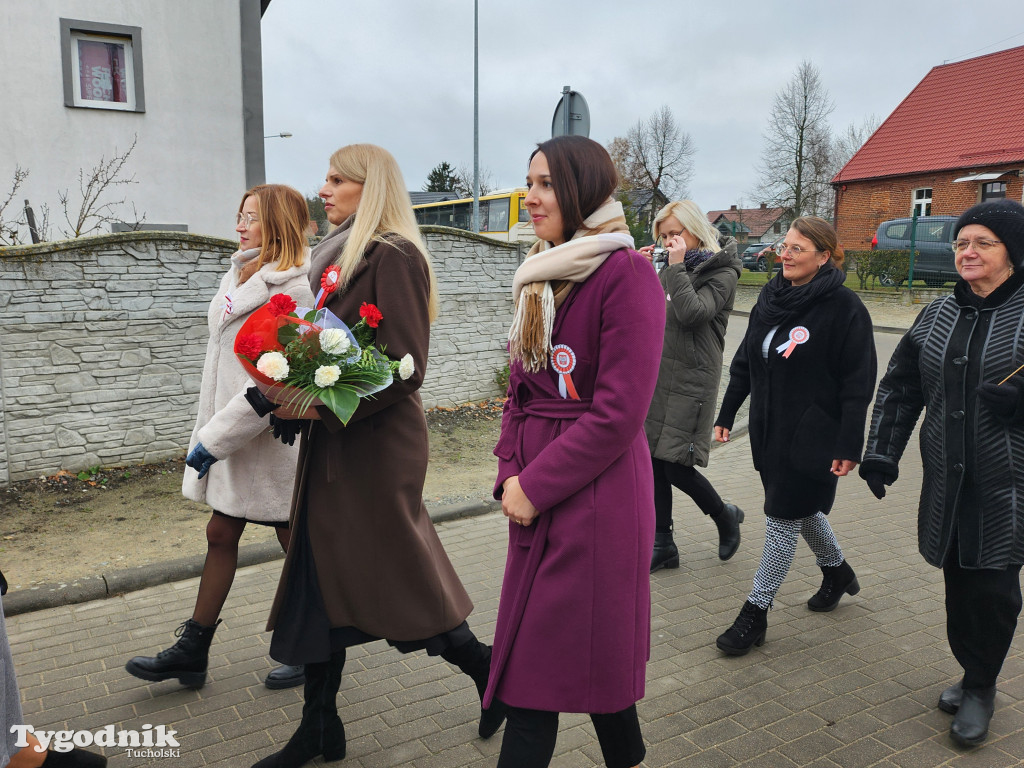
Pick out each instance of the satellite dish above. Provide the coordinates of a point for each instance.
(572, 115)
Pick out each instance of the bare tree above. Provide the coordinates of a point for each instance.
(656, 156)
(92, 212)
(10, 228)
(796, 160)
(464, 181)
(846, 143)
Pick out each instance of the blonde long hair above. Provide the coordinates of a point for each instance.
(284, 218)
(693, 219)
(384, 211)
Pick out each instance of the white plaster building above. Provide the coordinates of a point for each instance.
(83, 79)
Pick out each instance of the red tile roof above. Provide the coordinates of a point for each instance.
(756, 220)
(968, 114)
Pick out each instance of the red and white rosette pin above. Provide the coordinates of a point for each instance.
(563, 360)
(328, 284)
(796, 336)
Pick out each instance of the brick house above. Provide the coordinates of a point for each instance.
(955, 140)
(751, 225)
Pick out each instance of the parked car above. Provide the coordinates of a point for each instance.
(933, 247)
(757, 256)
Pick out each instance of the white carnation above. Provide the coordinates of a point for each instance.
(326, 375)
(273, 364)
(334, 341)
(406, 367)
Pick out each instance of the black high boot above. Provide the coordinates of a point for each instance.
(474, 659)
(321, 731)
(836, 581)
(747, 631)
(665, 554)
(728, 522)
(186, 660)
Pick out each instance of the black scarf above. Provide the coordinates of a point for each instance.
(966, 297)
(780, 300)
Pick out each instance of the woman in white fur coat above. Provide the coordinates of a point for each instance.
(235, 464)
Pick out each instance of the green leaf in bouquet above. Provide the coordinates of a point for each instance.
(310, 317)
(287, 333)
(342, 402)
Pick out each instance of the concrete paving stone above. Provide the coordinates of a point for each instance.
(905, 734)
(926, 755)
(804, 699)
(459, 754)
(262, 721)
(453, 717)
(854, 726)
(235, 752)
(402, 754)
(796, 725)
(898, 710)
(667, 727)
(861, 753)
(401, 715)
(882, 692)
(707, 758)
(657, 706)
(713, 734)
(806, 749)
(836, 709)
(750, 745)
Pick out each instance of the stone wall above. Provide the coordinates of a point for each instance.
(103, 340)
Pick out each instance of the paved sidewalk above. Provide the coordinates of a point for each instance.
(853, 688)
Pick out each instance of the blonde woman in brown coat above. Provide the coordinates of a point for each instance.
(365, 562)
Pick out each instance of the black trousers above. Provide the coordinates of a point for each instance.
(530, 734)
(982, 606)
(689, 481)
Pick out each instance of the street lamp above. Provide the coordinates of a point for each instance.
(283, 135)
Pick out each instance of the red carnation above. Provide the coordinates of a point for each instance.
(281, 304)
(250, 345)
(371, 314)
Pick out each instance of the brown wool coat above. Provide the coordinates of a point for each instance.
(379, 563)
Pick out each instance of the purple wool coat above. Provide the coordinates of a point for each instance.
(574, 620)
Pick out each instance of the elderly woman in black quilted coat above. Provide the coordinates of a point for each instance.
(958, 363)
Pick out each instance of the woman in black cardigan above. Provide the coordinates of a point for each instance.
(961, 363)
(807, 361)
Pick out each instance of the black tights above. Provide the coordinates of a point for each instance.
(529, 740)
(689, 481)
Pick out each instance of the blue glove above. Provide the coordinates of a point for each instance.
(200, 460)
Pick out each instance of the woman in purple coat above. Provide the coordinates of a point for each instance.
(574, 473)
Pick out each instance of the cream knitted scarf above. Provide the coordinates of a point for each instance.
(547, 275)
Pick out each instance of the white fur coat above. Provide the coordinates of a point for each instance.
(255, 473)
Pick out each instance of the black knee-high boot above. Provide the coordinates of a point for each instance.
(321, 731)
(474, 659)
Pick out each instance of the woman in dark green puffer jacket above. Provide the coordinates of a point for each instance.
(700, 285)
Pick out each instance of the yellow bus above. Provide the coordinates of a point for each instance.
(502, 215)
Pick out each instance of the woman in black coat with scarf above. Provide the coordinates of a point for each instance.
(807, 362)
(961, 362)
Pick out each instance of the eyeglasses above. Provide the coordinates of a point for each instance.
(981, 245)
(795, 250)
(248, 218)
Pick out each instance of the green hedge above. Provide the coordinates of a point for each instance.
(890, 268)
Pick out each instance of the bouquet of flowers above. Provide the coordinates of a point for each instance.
(306, 357)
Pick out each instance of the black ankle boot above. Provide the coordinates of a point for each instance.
(474, 659)
(186, 660)
(949, 700)
(748, 630)
(970, 725)
(76, 758)
(665, 553)
(836, 581)
(321, 731)
(728, 522)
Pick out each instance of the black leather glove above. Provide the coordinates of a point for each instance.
(876, 482)
(1001, 399)
(285, 430)
(200, 460)
(259, 402)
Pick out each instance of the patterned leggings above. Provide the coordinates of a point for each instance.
(780, 538)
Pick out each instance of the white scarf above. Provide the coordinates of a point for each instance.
(574, 261)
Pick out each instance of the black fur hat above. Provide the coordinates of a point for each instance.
(1005, 218)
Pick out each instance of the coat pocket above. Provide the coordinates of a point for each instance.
(813, 445)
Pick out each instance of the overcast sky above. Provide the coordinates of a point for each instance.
(399, 73)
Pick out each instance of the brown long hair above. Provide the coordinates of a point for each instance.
(583, 176)
(823, 235)
(284, 221)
